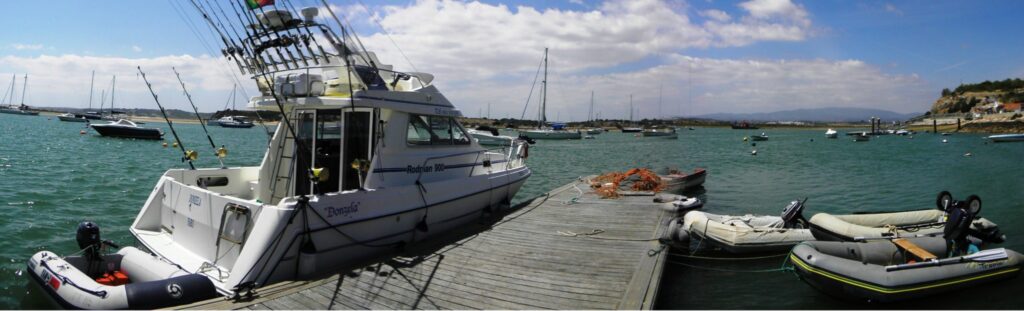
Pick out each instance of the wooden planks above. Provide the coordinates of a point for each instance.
(567, 250)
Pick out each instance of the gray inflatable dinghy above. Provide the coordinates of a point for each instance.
(747, 233)
(827, 227)
(886, 270)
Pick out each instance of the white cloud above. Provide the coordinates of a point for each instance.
(136, 48)
(716, 15)
(64, 80)
(29, 47)
(889, 7)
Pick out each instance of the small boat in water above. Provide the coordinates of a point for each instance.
(676, 181)
(632, 129)
(20, 109)
(70, 117)
(747, 233)
(744, 126)
(827, 227)
(668, 133)
(127, 129)
(896, 268)
(830, 133)
(593, 131)
(486, 136)
(235, 122)
(557, 130)
(762, 137)
(1003, 138)
(861, 137)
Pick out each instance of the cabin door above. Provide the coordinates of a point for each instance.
(358, 146)
(319, 148)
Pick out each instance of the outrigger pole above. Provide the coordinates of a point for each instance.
(219, 152)
(187, 155)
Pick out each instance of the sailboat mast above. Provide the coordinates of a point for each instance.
(659, 101)
(544, 93)
(91, 81)
(590, 115)
(24, 85)
(113, 84)
(631, 108)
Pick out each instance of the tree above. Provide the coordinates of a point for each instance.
(945, 92)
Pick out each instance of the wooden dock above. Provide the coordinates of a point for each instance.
(568, 249)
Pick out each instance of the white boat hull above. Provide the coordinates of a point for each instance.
(1006, 138)
(552, 134)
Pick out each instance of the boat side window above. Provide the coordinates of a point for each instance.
(435, 131)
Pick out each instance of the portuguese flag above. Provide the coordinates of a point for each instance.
(255, 4)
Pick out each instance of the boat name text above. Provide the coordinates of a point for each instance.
(416, 169)
(344, 211)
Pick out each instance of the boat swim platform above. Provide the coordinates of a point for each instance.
(567, 249)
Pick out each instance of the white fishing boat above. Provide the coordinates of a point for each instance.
(543, 131)
(1002, 138)
(830, 133)
(235, 122)
(367, 160)
(71, 117)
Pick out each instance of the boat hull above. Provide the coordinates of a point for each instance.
(668, 135)
(19, 112)
(632, 130)
(72, 119)
(128, 132)
(744, 234)
(759, 138)
(552, 135)
(827, 227)
(676, 183)
(1005, 138)
(857, 271)
(235, 125)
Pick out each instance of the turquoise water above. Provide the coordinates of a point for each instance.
(51, 178)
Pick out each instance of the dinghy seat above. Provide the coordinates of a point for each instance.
(913, 249)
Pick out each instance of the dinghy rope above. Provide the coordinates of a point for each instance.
(593, 235)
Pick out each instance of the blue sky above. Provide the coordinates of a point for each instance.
(707, 56)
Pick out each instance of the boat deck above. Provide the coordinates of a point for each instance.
(568, 249)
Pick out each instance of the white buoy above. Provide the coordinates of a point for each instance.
(944, 141)
(754, 152)
(968, 154)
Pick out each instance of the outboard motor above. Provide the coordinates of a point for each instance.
(528, 140)
(958, 226)
(494, 131)
(88, 237)
(793, 215)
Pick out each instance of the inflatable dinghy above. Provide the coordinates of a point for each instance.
(886, 270)
(826, 227)
(678, 204)
(748, 233)
(129, 279)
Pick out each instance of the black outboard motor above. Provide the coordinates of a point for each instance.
(793, 215)
(88, 237)
(958, 226)
(494, 131)
(527, 139)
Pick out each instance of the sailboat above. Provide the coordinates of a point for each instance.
(121, 127)
(631, 129)
(590, 117)
(374, 162)
(661, 132)
(72, 117)
(556, 131)
(21, 109)
(234, 121)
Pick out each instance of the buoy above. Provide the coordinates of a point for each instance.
(81, 132)
(744, 138)
(753, 144)
(165, 144)
(968, 154)
(175, 145)
(944, 141)
(812, 139)
(753, 152)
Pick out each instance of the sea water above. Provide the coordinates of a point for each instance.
(52, 178)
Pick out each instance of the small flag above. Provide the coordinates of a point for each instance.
(255, 4)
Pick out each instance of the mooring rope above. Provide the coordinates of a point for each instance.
(593, 235)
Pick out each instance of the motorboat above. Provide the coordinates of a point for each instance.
(761, 137)
(676, 181)
(899, 268)
(830, 133)
(551, 134)
(861, 137)
(1002, 138)
(235, 122)
(632, 129)
(127, 129)
(746, 233)
(71, 117)
(593, 131)
(854, 227)
(669, 133)
(400, 170)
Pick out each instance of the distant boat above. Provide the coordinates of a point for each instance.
(490, 137)
(71, 117)
(556, 131)
(593, 131)
(861, 137)
(632, 130)
(235, 122)
(1005, 138)
(761, 137)
(21, 109)
(830, 133)
(669, 133)
(743, 126)
(127, 129)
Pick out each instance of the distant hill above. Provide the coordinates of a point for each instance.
(833, 114)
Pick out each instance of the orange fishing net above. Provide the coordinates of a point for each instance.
(607, 184)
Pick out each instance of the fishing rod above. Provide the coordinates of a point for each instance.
(187, 155)
(220, 152)
(251, 32)
(234, 50)
(271, 40)
(309, 37)
(227, 44)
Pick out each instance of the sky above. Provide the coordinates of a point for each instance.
(673, 58)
